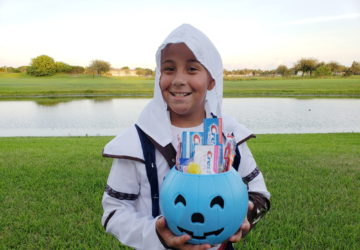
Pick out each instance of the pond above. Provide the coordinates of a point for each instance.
(110, 117)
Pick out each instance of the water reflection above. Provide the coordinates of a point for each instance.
(109, 116)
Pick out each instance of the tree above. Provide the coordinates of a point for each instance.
(282, 70)
(42, 66)
(226, 72)
(355, 68)
(77, 70)
(323, 70)
(23, 68)
(99, 66)
(306, 65)
(63, 67)
(12, 70)
(335, 67)
(126, 69)
(144, 72)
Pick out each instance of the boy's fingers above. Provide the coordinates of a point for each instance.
(236, 237)
(245, 226)
(171, 239)
(180, 240)
(200, 247)
(177, 241)
(250, 206)
(160, 223)
(161, 228)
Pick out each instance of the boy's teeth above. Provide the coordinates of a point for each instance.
(180, 94)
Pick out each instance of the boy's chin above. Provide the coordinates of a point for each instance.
(179, 112)
(185, 114)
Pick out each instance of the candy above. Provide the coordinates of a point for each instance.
(194, 168)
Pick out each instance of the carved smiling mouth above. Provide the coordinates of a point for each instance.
(180, 93)
(216, 233)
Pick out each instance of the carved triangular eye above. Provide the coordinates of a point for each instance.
(217, 201)
(181, 199)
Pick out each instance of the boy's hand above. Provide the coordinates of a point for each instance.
(173, 241)
(245, 227)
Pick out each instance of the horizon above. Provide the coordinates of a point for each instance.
(248, 34)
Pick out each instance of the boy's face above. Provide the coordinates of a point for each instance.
(184, 83)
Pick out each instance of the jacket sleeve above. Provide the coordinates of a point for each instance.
(254, 179)
(122, 216)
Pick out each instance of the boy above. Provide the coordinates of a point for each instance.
(188, 88)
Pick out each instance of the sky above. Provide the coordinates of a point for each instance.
(248, 33)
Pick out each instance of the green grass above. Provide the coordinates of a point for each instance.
(51, 190)
(68, 85)
(23, 86)
(293, 87)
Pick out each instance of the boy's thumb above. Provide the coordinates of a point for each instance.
(160, 223)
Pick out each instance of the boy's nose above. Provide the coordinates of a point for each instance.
(178, 83)
(179, 80)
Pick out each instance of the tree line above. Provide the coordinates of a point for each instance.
(45, 66)
(304, 66)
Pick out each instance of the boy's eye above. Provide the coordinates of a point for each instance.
(168, 69)
(193, 69)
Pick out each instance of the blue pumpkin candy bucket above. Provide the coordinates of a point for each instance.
(209, 208)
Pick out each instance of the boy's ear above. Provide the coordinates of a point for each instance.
(211, 84)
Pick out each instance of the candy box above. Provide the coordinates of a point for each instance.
(209, 208)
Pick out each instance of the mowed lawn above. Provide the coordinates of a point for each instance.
(51, 190)
(20, 85)
(60, 85)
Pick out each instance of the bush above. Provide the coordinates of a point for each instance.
(355, 68)
(77, 69)
(42, 66)
(99, 67)
(63, 67)
(323, 70)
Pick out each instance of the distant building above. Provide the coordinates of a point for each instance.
(123, 72)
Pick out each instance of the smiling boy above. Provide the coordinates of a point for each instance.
(188, 88)
(184, 83)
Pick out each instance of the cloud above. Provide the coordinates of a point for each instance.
(324, 19)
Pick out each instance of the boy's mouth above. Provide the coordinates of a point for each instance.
(180, 93)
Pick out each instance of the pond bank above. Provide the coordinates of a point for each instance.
(51, 87)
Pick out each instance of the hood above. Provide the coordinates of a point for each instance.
(154, 119)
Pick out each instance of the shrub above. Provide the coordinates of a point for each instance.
(323, 70)
(42, 66)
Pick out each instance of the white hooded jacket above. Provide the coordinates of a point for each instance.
(127, 199)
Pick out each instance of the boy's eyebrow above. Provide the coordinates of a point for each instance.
(171, 61)
(167, 61)
(193, 60)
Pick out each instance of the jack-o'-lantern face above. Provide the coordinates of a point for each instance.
(209, 208)
(199, 217)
